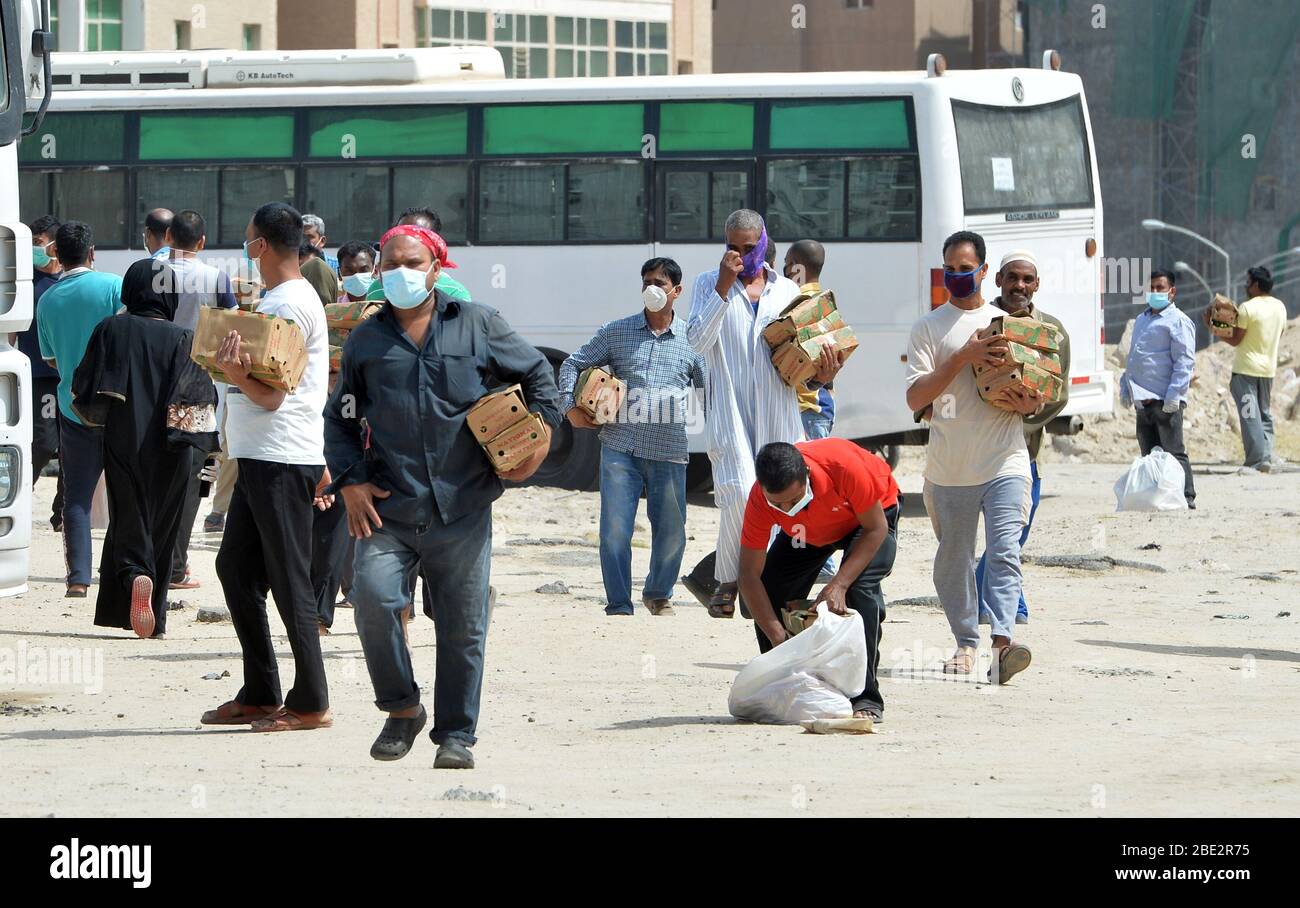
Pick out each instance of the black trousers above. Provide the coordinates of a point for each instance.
(267, 546)
(189, 512)
(45, 436)
(791, 571)
(330, 555)
(1155, 428)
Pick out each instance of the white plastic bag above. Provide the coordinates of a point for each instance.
(1152, 483)
(810, 676)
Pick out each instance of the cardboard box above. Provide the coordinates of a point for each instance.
(496, 412)
(600, 395)
(349, 315)
(805, 309)
(1019, 354)
(1028, 331)
(797, 362)
(517, 443)
(276, 345)
(798, 615)
(336, 358)
(1223, 316)
(994, 383)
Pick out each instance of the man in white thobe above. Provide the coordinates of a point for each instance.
(749, 405)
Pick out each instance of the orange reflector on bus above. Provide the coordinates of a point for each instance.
(938, 292)
(1080, 380)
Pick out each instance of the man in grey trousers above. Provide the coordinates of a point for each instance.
(976, 462)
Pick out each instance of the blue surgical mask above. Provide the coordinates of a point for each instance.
(799, 505)
(248, 257)
(358, 284)
(1157, 301)
(405, 287)
(960, 284)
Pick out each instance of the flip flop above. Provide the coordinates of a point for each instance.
(233, 712)
(288, 720)
(849, 725)
(1011, 661)
(142, 620)
(397, 736)
(962, 662)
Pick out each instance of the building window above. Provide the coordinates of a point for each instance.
(640, 48)
(252, 37)
(581, 46)
(183, 41)
(524, 44)
(445, 27)
(103, 24)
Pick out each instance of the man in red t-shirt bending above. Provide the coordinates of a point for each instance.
(824, 495)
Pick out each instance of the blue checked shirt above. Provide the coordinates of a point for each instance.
(659, 372)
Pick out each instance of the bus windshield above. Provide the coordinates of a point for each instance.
(1022, 158)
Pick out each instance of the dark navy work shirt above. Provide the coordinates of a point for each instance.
(28, 342)
(415, 399)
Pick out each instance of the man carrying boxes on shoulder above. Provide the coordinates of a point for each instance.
(1017, 278)
(976, 461)
(642, 433)
(422, 495)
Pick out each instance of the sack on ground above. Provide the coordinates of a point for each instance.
(811, 676)
(1152, 483)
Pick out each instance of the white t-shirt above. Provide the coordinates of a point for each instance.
(295, 432)
(199, 285)
(971, 441)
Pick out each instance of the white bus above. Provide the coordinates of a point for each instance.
(23, 40)
(553, 192)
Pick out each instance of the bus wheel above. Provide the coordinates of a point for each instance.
(574, 460)
(699, 474)
(889, 453)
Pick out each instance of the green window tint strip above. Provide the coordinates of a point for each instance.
(386, 132)
(706, 126)
(563, 128)
(215, 136)
(853, 125)
(74, 138)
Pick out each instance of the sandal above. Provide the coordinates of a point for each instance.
(233, 712)
(874, 713)
(288, 720)
(659, 606)
(397, 736)
(722, 604)
(1011, 661)
(185, 583)
(142, 618)
(961, 663)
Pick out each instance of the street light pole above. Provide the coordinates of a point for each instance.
(1183, 266)
(1156, 224)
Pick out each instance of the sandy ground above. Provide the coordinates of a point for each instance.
(1140, 700)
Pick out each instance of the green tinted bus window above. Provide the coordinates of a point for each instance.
(216, 136)
(706, 126)
(876, 123)
(76, 137)
(387, 132)
(562, 128)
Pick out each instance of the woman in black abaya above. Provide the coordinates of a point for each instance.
(157, 409)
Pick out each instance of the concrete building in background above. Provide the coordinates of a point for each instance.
(536, 38)
(159, 25)
(834, 35)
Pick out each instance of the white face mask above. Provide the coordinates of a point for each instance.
(654, 298)
(798, 505)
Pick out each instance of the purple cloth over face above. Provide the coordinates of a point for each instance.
(753, 259)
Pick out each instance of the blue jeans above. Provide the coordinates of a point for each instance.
(816, 425)
(622, 479)
(455, 560)
(81, 458)
(1035, 488)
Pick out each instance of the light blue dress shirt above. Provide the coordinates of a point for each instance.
(1161, 356)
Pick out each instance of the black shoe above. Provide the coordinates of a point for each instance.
(397, 736)
(453, 755)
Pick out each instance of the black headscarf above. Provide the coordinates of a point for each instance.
(150, 288)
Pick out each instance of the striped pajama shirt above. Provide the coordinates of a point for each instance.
(748, 404)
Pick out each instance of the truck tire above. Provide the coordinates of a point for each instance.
(574, 459)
